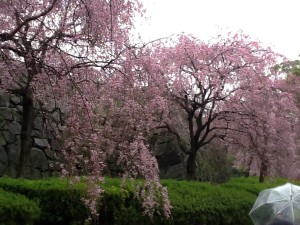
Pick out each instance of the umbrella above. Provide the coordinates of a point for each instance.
(280, 202)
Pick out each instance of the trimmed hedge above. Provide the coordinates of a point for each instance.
(203, 203)
(16, 209)
(193, 202)
(59, 203)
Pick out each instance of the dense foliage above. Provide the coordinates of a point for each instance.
(193, 202)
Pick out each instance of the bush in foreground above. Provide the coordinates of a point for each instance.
(193, 202)
(16, 209)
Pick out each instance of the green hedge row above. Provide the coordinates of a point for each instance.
(16, 209)
(193, 203)
(61, 203)
(58, 203)
(200, 203)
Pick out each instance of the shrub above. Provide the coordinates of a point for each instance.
(219, 204)
(193, 202)
(16, 209)
(59, 203)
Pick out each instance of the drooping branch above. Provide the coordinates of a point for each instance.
(9, 36)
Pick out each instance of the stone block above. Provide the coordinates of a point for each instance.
(38, 160)
(8, 136)
(2, 124)
(41, 143)
(19, 108)
(4, 99)
(14, 99)
(3, 156)
(6, 113)
(3, 160)
(176, 172)
(14, 127)
(37, 134)
(16, 116)
(38, 123)
(49, 153)
(13, 153)
(50, 134)
(35, 174)
(17, 140)
(3, 167)
(56, 145)
(10, 171)
(2, 140)
(56, 116)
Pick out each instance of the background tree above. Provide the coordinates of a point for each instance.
(263, 136)
(199, 78)
(291, 70)
(289, 67)
(214, 163)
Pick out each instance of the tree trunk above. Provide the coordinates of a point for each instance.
(191, 166)
(26, 130)
(247, 172)
(263, 172)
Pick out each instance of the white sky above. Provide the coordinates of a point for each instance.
(275, 23)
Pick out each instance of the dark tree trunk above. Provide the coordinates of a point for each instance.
(247, 172)
(263, 172)
(191, 166)
(27, 124)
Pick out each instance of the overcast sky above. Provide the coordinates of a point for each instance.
(275, 23)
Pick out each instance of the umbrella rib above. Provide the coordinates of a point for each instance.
(253, 209)
(284, 207)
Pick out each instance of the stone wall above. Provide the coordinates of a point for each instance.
(44, 159)
(46, 149)
(171, 160)
(44, 152)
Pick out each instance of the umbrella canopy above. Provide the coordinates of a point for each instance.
(281, 202)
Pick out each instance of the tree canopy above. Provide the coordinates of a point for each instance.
(211, 83)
